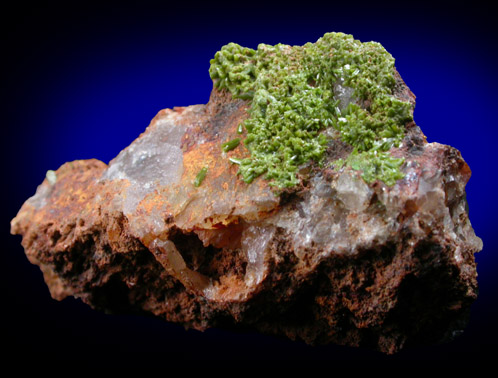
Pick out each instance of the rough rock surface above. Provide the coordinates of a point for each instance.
(335, 261)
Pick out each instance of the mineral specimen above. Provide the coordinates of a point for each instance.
(302, 200)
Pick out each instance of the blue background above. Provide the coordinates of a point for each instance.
(84, 81)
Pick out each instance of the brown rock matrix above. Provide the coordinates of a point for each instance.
(335, 260)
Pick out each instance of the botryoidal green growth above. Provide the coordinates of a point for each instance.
(296, 93)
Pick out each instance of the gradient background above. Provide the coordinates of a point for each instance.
(84, 81)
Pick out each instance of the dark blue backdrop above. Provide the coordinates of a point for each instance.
(83, 82)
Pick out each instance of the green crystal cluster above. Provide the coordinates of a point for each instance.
(298, 92)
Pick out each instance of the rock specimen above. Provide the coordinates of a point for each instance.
(302, 200)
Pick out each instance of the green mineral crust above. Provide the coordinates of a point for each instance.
(298, 94)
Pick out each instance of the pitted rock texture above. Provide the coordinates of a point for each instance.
(333, 261)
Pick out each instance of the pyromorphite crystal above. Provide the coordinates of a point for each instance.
(296, 93)
(200, 177)
(230, 145)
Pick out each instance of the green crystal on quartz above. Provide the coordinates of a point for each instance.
(296, 93)
(200, 177)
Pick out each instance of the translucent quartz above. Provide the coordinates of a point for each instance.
(344, 94)
(153, 159)
(340, 217)
(319, 219)
(172, 261)
(39, 199)
(353, 192)
(255, 241)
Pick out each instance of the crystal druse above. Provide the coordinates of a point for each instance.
(302, 200)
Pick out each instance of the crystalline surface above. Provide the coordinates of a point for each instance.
(155, 159)
(254, 244)
(353, 192)
(344, 95)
